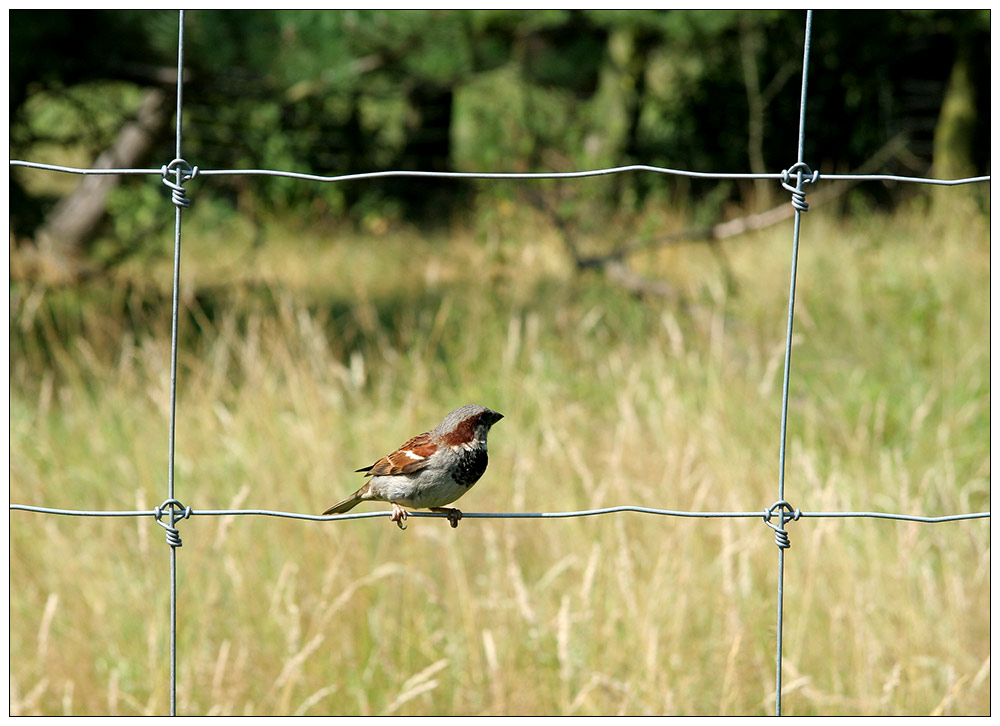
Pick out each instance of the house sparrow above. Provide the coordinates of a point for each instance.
(430, 470)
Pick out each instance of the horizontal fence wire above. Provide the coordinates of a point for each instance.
(491, 515)
(504, 175)
(792, 179)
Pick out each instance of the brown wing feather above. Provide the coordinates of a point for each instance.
(410, 457)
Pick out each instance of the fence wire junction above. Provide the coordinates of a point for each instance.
(794, 179)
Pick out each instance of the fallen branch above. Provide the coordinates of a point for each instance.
(613, 263)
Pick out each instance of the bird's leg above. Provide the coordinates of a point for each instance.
(453, 514)
(398, 515)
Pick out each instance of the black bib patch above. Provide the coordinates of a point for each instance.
(471, 466)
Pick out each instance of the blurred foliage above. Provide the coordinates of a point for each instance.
(335, 92)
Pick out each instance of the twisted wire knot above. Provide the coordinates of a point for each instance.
(184, 172)
(175, 508)
(786, 514)
(804, 175)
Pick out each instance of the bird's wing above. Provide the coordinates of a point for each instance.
(410, 457)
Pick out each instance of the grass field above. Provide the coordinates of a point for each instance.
(315, 353)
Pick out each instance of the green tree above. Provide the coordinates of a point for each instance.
(333, 92)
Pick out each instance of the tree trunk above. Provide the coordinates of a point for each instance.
(62, 239)
(750, 40)
(953, 134)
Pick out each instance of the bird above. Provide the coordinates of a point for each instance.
(430, 470)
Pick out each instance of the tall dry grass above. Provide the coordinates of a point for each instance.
(309, 357)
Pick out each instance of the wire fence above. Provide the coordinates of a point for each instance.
(794, 179)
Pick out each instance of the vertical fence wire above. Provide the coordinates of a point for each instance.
(788, 352)
(178, 210)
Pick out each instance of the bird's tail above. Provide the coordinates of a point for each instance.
(348, 504)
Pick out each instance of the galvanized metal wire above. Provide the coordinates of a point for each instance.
(778, 176)
(803, 175)
(180, 168)
(794, 179)
(187, 512)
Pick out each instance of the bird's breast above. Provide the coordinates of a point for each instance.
(471, 465)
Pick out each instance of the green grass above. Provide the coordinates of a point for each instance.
(311, 355)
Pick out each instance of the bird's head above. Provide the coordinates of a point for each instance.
(467, 427)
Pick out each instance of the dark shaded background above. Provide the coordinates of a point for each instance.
(335, 92)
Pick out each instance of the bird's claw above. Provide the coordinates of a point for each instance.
(398, 516)
(454, 515)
